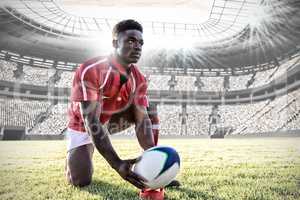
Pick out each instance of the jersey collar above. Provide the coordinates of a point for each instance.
(120, 67)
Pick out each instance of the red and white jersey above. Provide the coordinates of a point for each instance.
(98, 79)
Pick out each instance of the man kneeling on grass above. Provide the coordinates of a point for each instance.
(109, 95)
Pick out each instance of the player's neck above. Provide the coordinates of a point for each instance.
(125, 65)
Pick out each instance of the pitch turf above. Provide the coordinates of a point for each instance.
(252, 168)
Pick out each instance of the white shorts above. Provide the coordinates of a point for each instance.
(77, 138)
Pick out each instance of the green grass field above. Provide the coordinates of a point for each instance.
(248, 168)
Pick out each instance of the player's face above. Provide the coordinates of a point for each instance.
(129, 46)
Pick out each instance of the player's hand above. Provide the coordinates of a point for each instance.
(125, 171)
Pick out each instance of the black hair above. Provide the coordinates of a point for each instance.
(124, 25)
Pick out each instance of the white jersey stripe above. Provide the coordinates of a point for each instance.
(83, 73)
(134, 83)
(106, 77)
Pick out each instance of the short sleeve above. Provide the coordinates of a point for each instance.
(86, 84)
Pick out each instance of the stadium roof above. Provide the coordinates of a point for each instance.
(234, 34)
(206, 20)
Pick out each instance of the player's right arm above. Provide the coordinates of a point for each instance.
(90, 114)
(88, 78)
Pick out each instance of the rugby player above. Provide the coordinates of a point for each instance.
(109, 95)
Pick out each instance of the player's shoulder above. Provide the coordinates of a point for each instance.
(96, 61)
(94, 65)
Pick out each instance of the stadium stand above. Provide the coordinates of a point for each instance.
(239, 82)
(36, 76)
(43, 118)
(186, 83)
(54, 122)
(41, 76)
(212, 83)
(159, 82)
(21, 112)
(197, 119)
(264, 77)
(7, 70)
(169, 119)
(282, 113)
(274, 116)
(65, 80)
(235, 116)
(241, 70)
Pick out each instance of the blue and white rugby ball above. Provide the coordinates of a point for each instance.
(159, 165)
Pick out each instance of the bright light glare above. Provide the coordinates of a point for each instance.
(101, 43)
(261, 13)
(168, 42)
(172, 14)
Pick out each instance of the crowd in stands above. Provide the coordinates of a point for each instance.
(197, 119)
(7, 70)
(186, 83)
(293, 124)
(169, 119)
(278, 114)
(212, 83)
(36, 76)
(158, 82)
(20, 112)
(41, 117)
(282, 113)
(54, 123)
(265, 77)
(192, 83)
(41, 76)
(66, 79)
(239, 82)
(235, 115)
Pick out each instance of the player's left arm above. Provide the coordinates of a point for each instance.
(143, 127)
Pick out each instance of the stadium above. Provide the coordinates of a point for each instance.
(225, 81)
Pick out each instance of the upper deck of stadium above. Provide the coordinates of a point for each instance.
(238, 36)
